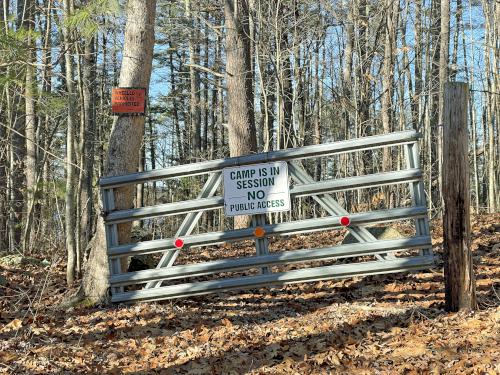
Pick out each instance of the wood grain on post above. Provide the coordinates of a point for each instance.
(458, 271)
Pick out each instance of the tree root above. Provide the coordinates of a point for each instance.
(79, 300)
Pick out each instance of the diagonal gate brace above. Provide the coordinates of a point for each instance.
(188, 224)
(333, 207)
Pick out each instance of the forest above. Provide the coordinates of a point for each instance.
(224, 79)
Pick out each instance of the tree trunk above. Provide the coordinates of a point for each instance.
(242, 137)
(17, 153)
(416, 100)
(70, 152)
(3, 24)
(318, 113)
(46, 90)
(139, 192)
(206, 107)
(89, 80)
(433, 111)
(3, 184)
(152, 155)
(444, 44)
(126, 138)
(101, 128)
(347, 71)
(29, 100)
(299, 93)
(3, 156)
(285, 86)
(16, 176)
(194, 78)
(221, 139)
(175, 111)
(392, 8)
(492, 107)
(454, 55)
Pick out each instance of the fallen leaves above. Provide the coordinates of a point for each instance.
(7, 356)
(14, 325)
(377, 324)
(227, 322)
(414, 349)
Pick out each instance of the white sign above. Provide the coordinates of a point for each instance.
(256, 189)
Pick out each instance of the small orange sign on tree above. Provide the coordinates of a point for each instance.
(128, 101)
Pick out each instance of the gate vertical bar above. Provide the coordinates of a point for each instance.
(261, 244)
(111, 231)
(417, 193)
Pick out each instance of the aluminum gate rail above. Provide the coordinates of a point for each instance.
(304, 185)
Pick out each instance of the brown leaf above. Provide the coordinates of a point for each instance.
(413, 349)
(11, 326)
(227, 322)
(6, 357)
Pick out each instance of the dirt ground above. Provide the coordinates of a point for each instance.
(387, 324)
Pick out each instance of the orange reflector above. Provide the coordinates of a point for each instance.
(259, 232)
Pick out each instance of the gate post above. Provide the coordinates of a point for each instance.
(261, 242)
(458, 272)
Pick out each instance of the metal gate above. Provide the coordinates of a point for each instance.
(390, 255)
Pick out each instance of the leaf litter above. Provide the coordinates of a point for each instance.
(384, 324)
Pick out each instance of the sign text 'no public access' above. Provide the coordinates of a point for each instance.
(256, 189)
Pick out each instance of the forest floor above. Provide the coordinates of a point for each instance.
(377, 324)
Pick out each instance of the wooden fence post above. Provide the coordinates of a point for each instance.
(460, 286)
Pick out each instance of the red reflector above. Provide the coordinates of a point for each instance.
(179, 243)
(345, 221)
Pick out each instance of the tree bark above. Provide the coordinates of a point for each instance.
(242, 137)
(3, 8)
(70, 152)
(17, 151)
(29, 100)
(285, 86)
(454, 55)
(16, 177)
(4, 145)
(87, 198)
(194, 78)
(175, 112)
(416, 95)
(45, 128)
(492, 110)
(444, 44)
(433, 110)
(139, 192)
(126, 138)
(102, 125)
(318, 112)
(3, 185)
(458, 270)
(152, 154)
(299, 93)
(392, 8)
